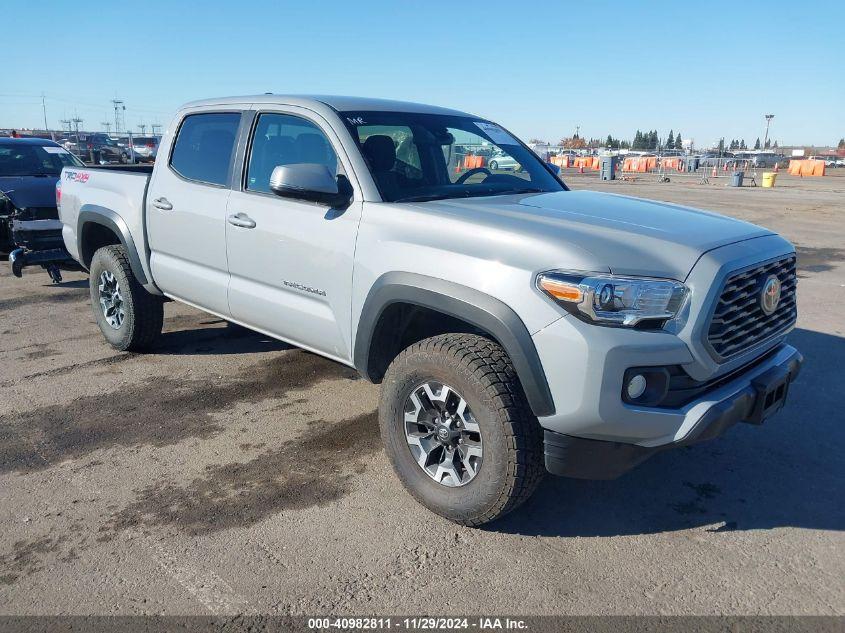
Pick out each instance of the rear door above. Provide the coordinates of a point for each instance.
(291, 261)
(186, 210)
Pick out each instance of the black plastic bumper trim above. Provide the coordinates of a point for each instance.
(582, 458)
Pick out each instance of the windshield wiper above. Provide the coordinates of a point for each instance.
(526, 190)
(441, 196)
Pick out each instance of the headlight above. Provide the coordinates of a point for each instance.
(611, 300)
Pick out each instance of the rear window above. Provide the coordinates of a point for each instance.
(204, 146)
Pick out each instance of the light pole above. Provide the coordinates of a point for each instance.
(44, 110)
(769, 118)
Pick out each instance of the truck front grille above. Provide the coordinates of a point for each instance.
(739, 322)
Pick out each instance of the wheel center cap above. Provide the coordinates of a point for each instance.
(443, 433)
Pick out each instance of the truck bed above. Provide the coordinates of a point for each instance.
(122, 189)
(145, 168)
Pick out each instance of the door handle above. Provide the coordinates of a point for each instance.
(163, 204)
(242, 220)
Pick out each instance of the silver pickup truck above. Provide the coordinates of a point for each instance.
(517, 327)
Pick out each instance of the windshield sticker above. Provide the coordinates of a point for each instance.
(54, 150)
(496, 134)
(355, 120)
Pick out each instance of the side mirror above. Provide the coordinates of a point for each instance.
(312, 182)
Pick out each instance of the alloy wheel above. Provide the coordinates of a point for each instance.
(111, 301)
(442, 434)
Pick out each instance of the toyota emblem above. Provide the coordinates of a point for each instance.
(770, 295)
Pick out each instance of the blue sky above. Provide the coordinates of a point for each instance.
(710, 69)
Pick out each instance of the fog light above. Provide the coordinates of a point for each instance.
(636, 386)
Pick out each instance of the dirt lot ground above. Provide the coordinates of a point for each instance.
(226, 473)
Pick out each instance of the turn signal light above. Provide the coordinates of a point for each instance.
(561, 290)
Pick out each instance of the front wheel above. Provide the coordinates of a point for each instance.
(494, 164)
(129, 317)
(458, 430)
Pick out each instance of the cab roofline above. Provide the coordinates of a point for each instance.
(337, 103)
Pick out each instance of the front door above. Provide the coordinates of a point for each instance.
(290, 261)
(186, 211)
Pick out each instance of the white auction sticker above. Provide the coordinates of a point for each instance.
(496, 134)
(50, 149)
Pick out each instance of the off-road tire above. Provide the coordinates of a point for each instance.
(481, 371)
(144, 312)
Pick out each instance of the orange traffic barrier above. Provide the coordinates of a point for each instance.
(473, 162)
(806, 168)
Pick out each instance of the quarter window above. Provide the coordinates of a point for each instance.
(204, 146)
(283, 139)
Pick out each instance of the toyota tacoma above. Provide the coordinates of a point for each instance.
(516, 327)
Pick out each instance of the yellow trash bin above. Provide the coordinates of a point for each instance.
(769, 178)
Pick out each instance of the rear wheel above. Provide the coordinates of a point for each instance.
(458, 430)
(129, 317)
(494, 164)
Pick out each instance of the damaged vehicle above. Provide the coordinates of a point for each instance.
(30, 230)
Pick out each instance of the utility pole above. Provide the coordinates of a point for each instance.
(142, 127)
(119, 110)
(107, 125)
(769, 118)
(155, 127)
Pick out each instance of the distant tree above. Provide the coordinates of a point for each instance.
(638, 140)
(757, 144)
(733, 144)
(573, 142)
(841, 143)
(775, 145)
(535, 141)
(768, 144)
(670, 140)
(679, 144)
(721, 145)
(653, 141)
(742, 145)
(609, 142)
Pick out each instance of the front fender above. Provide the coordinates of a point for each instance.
(467, 304)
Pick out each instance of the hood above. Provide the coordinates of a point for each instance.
(605, 232)
(30, 191)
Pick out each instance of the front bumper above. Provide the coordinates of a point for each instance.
(751, 397)
(38, 243)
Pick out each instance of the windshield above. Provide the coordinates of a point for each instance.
(35, 160)
(418, 157)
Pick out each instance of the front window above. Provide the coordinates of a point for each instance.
(417, 157)
(35, 160)
(284, 139)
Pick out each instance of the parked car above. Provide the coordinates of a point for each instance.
(712, 159)
(95, 148)
(516, 326)
(30, 230)
(144, 148)
(503, 160)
